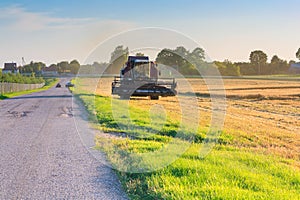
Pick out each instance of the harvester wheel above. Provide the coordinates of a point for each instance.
(154, 97)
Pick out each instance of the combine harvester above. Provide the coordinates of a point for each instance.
(139, 77)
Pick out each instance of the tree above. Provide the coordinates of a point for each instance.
(139, 54)
(198, 53)
(74, 62)
(32, 67)
(37, 67)
(197, 57)
(275, 64)
(118, 59)
(181, 51)
(74, 66)
(99, 68)
(63, 66)
(227, 68)
(275, 60)
(54, 66)
(118, 52)
(259, 59)
(278, 66)
(166, 57)
(292, 62)
(298, 54)
(172, 58)
(182, 60)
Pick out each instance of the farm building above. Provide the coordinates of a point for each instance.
(10, 68)
(295, 68)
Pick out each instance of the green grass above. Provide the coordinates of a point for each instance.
(228, 172)
(139, 123)
(48, 84)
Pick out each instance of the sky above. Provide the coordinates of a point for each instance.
(52, 31)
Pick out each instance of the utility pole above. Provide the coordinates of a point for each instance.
(22, 65)
(23, 62)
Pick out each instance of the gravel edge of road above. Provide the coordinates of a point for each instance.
(87, 141)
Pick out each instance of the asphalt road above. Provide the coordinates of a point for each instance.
(42, 155)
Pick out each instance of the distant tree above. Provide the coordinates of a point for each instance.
(171, 58)
(198, 53)
(32, 67)
(63, 66)
(275, 60)
(197, 57)
(74, 66)
(275, 64)
(118, 59)
(298, 54)
(259, 59)
(139, 54)
(182, 60)
(182, 51)
(167, 57)
(54, 66)
(74, 62)
(292, 62)
(246, 68)
(37, 67)
(227, 68)
(278, 66)
(99, 68)
(284, 67)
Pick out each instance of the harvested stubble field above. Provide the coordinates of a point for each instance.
(260, 142)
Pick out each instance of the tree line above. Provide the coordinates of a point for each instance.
(36, 68)
(187, 62)
(258, 64)
(96, 68)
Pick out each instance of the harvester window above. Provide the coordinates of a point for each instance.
(142, 70)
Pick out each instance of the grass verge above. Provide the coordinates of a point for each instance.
(226, 173)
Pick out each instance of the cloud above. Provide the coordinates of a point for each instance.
(18, 18)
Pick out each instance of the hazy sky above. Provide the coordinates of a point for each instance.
(51, 31)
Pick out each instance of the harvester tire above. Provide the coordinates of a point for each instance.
(154, 97)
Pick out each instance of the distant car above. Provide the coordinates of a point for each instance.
(58, 85)
(69, 84)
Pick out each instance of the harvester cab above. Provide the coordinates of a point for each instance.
(140, 77)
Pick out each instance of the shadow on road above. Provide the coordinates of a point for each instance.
(42, 97)
(3, 97)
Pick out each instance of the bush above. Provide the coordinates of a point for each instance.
(18, 78)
